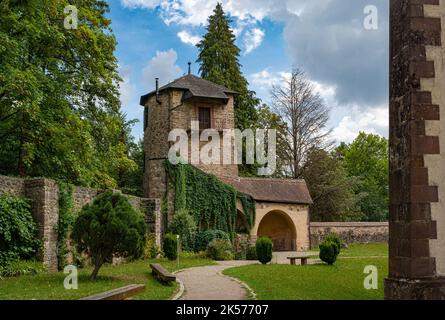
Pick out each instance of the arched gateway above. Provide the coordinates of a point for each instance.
(278, 226)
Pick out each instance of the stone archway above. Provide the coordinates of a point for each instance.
(278, 226)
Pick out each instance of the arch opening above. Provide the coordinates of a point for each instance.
(280, 228)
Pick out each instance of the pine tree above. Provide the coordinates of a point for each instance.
(219, 63)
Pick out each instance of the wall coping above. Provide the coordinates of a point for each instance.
(349, 224)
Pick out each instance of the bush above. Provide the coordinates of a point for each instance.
(203, 238)
(18, 231)
(251, 254)
(328, 252)
(264, 250)
(184, 225)
(220, 249)
(334, 238)
(21, 267)
(151, 249)
(107, 227)
(170, 246)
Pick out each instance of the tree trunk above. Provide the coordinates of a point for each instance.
(97, 264)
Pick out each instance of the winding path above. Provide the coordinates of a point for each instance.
(208, 283)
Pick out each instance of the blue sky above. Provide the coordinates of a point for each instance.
(326, 38)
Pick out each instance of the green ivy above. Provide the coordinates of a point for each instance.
(211, 202)
(67, 218)
(19, 233)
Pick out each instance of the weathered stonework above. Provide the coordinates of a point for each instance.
(44, 196)
(349, 232)
(417, 226)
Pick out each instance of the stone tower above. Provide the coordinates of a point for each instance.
(417, 150)
(175, 106)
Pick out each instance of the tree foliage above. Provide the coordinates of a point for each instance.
(18, 231)
(59, 101)
(367, 158)
(107, 227)
(184, 225)
(219, 62)
(330, 187)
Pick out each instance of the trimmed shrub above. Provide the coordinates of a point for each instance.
(220, 249)
(170, 246)
(109, 227)
(203, 238)
(264, 250)
(328, 252)
(334, 238)
(184, 225)
(18, 231)
(251, 254)
(151, 250)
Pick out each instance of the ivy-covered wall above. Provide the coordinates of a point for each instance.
(54, 206)
(212, 203)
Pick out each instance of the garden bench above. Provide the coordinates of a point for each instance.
(301, 258)
(161, 274)
(121, 293)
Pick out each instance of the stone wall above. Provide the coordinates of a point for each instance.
(44, 196)
(350, 232)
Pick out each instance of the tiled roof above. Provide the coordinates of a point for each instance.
(194, 86)
(271, 190)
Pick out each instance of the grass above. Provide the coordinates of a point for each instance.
(50, 285)
(342, 281)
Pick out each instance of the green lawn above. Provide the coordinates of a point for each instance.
(50, 285)
(342, 281)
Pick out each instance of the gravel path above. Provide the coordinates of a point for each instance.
(208, 283)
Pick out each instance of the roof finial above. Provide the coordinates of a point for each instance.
(190, 68)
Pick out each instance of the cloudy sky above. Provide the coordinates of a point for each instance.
(347, 62)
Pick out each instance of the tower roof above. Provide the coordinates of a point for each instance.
(193, 86)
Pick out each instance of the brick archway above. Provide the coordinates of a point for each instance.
(278, 226)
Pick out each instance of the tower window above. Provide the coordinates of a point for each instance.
(204, 118)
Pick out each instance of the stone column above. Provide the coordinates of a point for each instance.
(417, 150)
(44, 194)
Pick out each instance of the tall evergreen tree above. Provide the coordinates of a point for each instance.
(218, 58)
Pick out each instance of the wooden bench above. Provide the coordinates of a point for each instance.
(161, 274)
(119, 293)
(301, 258)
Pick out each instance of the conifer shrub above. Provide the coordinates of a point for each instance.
(170, 246)
(328, 252)
(264, 249)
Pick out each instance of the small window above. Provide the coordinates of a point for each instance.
(204, 118)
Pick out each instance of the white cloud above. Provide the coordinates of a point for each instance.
(162, 66)
(187, 38)
(253, 39)
(372, 120)
(148, 4)
(127, 89)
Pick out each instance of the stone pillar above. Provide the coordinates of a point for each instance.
(417, 151)
(152, 210)
(44, 194)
